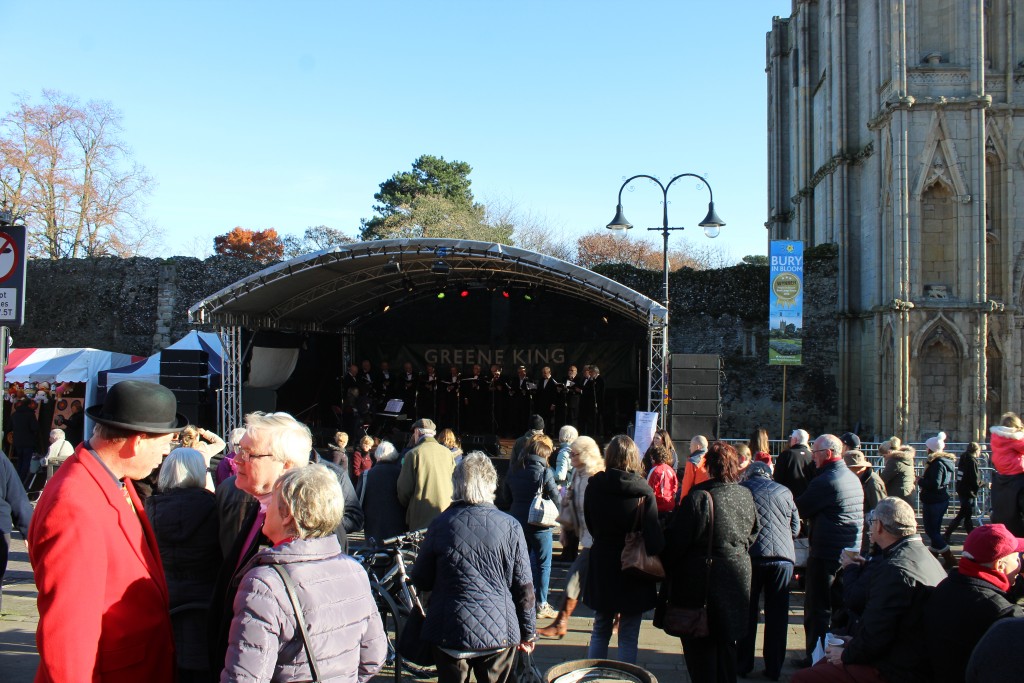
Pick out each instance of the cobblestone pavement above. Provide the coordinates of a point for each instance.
(660, 654)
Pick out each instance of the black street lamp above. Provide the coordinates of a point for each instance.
(712, 225)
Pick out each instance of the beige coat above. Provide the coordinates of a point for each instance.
(425, 484)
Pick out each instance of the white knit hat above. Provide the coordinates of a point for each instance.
(936, 443)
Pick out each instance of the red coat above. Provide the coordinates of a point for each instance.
(103, 603)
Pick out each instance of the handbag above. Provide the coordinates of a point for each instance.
(543, 512)
(567, 511)
(289, 587)
(692, 622)
(410, 644)
(524, 670)
(635, 560)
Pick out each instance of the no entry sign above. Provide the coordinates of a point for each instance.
(12, 275)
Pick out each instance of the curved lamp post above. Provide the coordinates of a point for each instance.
(712, 225)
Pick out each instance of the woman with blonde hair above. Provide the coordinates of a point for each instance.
(898, 473)
(586, 461)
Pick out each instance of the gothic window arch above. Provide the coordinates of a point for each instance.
(938, 370)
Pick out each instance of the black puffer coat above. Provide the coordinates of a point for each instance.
(735, 529)
(1008, 502)
(968, 478)
(834, 502)
(474, 559)
(609, 508)
(186, 526)
(974, 605)
(777, 516)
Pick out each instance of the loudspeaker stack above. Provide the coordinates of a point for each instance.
(186, 372)
(696, 396)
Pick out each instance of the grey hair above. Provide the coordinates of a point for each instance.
(700, 441)
(312, 496)
(184, 468)
(831, 442)
(475, 480)
(567, 434)
(589, 453)
(288, 439)
(235, 437)
(57, 434)
(386, 452)
(896, 516)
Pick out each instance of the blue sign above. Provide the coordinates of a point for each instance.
(786, 302)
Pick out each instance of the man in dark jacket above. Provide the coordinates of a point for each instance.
(794, 467)
(881, 646)
(834, 504)
(25, 427)
(975, 595)
(772, 556)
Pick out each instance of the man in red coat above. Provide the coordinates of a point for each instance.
(103, 604)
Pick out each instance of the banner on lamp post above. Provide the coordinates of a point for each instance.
(786, 302)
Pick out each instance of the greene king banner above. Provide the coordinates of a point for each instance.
(786, 303)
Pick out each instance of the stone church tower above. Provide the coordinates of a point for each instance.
(896, 131)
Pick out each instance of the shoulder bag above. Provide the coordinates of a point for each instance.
(543, 512)
(567, 511)
(690, 622)
(635, 560)
(289, 586)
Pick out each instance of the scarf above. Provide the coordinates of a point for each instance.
(970, 568)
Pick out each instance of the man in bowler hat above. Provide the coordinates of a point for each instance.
(103, 604)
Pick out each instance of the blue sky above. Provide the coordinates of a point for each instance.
(288, 115)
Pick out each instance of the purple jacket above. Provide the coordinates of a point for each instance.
(344, 626)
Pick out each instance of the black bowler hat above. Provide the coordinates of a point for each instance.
(139, 407)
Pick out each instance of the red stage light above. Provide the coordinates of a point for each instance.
(504, 293)
(464, 293)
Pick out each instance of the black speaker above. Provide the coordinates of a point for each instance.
(187, 397)
(695, 376)
(696, 361)
(685, 427)
(196, 356)
(183, 369)
(488, 443)
(185, 383)
(708, 408)
(695, 392)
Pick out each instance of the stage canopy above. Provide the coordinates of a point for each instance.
(333, 289)
(336, 289)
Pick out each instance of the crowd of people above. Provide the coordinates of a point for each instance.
(237, 570)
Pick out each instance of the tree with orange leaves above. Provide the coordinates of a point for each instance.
(262, 246)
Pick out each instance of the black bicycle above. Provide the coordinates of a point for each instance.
(386, 563)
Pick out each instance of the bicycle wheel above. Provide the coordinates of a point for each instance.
(393, 622)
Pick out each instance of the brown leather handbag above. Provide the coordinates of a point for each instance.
(692, 622)
(635, 560)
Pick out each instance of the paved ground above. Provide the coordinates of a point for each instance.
(659, 653)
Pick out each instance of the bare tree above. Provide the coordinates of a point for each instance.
(605, 246)
(65, 170)
(529, 231)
